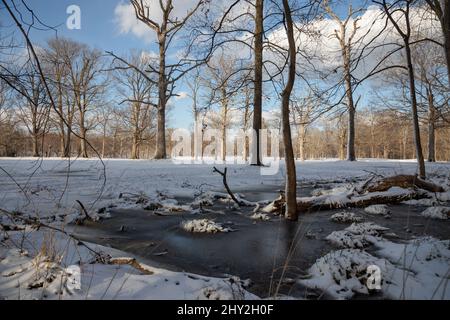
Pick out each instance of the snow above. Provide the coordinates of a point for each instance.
(415, 270)
(260, 216)
(377, 209)
(358, 235)
(342, 273)
(43, 188)
(47, 189)
(33, 273)
(441, 213)
(203, 226)
(345, 217)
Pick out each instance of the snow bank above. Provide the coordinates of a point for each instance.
(377, 209)
(47, 277)
(356, 236)
(343, 273)
(48, 192)
(437, 213)
(417, 269)
(203, 226)
(260, 216)
(345, 217)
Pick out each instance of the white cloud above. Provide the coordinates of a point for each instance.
(128, 23)
(182, 95)
(324, 49)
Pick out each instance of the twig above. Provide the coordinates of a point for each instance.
(224, 176)
(84, 210)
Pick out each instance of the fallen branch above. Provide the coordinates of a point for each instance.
(402, 181)
(359, 201)
(84, 210)
(133, 263)
(224, 176)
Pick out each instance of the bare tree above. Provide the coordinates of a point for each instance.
(138, 93)
(222, 82)
(34, 111)
(291, 176)
(403, 7)
(58, 60)
(168, 74)
(346, 38)
(258, 80)
(442, 10)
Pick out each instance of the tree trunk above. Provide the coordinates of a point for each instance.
(162, 94)
(412, 90)
(134, 146)
(36, 144)
(302, 142)
(83, 149)
(431, 127)
(258, 69)
(67, 147)
(351, 156)
(104, 141)
(224, 124)
(291, 176)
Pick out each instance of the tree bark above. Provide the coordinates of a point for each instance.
(431, 127)
(351, 156)
(83, 148)
(416, 126)
(162, 101)
(291, 176)
(258, 67)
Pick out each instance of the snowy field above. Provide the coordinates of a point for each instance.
(46, 187)
(50, 189)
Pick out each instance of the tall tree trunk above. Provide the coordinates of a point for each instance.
(245, 125)
(134, 146)
(302, 142)
(197, 136)
(258, 69)
(83, 148)
(36, 144)
(62, 138)
(162, 94)
(291, 176)
(104, 141)
(224, 124)
(67, 147)
(431, 127)
(351, 156)
(412, 90)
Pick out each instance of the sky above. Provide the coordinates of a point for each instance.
(111, 26)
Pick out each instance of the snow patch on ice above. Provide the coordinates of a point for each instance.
(345, 217)
(417, 269)
(260, 216)
(437, 213)
(377, 209)
(356, 236)
(203, 226)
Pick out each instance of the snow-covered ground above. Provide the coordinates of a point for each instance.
(52, 187)
(46, 187)
(42, 268)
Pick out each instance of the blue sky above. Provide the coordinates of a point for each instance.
(100, 29)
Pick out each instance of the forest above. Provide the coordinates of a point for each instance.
(279, 121)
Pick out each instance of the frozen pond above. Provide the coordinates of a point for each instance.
(263, 251)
